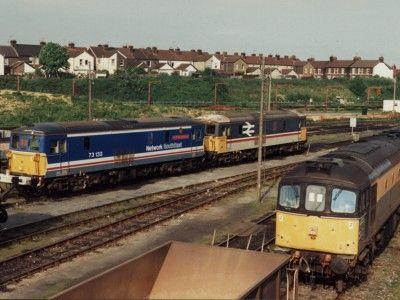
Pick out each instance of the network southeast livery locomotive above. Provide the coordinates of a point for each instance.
(60, 156)
(337, 212)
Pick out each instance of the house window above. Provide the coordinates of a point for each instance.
(113, 61)
(86, 62)
(121, 62)
(368, 71)
(6, 61)
(81, 62)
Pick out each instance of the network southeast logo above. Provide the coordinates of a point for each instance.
(163, 147)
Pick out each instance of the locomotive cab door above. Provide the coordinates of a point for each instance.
(59, 154)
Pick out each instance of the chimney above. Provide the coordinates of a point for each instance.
(177, 50)
(277, 56)
(217, 52)
(100, 45)
(381, 59)
(311, 59)
(356, 58)
(260, 54)
(148, 48)
(171, 49)
(199, 51)
(105, 46)
(253, 54)
(293, 57)
(71, 45)
(225, 53)
(192, 50)
(42, 43)
(236, 53)
(130, 47)
(153, 48)
(243, 54)
(270, 55)
(286, 57)
(13, 43)
(125, 46)
(332, 58)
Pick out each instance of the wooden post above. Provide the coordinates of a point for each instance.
(73, 89)
(18, 84)
(149, 93)
(90, 101)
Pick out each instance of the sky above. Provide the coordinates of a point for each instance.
(306, 28)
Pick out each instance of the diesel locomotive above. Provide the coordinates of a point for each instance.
(336, 213)
(64, 156)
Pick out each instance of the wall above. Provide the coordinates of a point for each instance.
(1, 65)
(382, 70)
(76, 68)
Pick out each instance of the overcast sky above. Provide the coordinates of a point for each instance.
(317, 28)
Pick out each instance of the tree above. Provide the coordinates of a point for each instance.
(53, 57)
(358, 87)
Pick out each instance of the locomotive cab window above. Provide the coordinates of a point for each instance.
(315, 198)
(15, 141)
(210, 129)
(343, 201)
(289, 196)
(54, 147)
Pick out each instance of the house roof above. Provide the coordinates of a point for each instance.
(287, 71)
(75, 51)
(252, 69)
(318, 63)
(8, 52)
(19, 63)
(362, 63)
(27, 50)
(160, 65)
(183, 67)
(299, 63)
(126, 52)
(179, 55)
(339, 63)
(253, 60)
(101, 51)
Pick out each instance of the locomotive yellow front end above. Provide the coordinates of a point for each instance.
(26, 163)
(321, 221)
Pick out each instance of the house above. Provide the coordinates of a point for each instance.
(8, 56)
(176, 57)
(164, 68)
(213, 62)
(81, 62)
(107, 59)
(337, 68)
(253, 72)
(316, 68)
(232, 64)
(27, 52)
(369, 68)
(131, 57)
(300, 66)
(275, 73)
(253, 60)
(21, 68)
(186, 69)
(289, 74)
(279, 62)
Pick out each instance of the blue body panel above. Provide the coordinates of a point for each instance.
(118, 149)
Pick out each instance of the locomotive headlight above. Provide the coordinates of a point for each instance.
(351, 225)
(280, 218)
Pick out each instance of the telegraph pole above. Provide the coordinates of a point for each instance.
(394, 91)
(269, 91)
(260, 130)
(90, 96)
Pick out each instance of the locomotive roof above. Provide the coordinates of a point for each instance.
(355, 165)
(249, 116)
(95, 126)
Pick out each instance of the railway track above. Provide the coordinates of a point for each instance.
(341, 128)
(33, 260)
